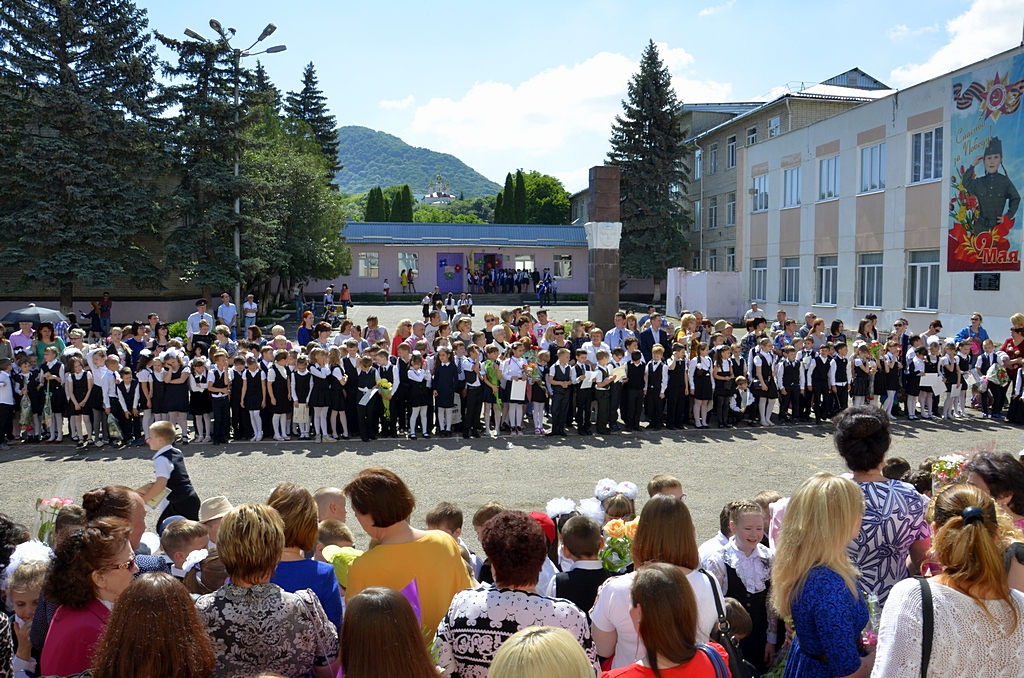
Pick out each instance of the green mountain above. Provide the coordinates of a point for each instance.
(373, 158)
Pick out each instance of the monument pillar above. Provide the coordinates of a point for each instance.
(604, 230)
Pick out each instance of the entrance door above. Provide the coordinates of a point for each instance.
(450, 272)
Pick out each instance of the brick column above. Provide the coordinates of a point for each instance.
(604, 231)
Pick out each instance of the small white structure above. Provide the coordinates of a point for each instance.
(716, 295)
(438, 193)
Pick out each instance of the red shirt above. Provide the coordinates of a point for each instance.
(72, 639)
(1013, 351)
(698, 667)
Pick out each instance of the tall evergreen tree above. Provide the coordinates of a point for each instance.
(386, 207)
(498, 209)
(401, 208)
(374, 206)
(310, 106)
(260, 91)
(648, 145)
(519, 199)
(508, 209)
(78, 155)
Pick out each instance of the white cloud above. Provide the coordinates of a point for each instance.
(398, 103)
(901, 31)
(986, 28)
(715, 9)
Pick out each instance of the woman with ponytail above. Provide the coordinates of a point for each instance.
(978, 628)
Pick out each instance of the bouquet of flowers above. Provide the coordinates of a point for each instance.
(385, 393)
(493, 376)
(567, 328)
(997, 375)
(113, 429)
(947, 470)
(48, 510)
(876, 350)
(869, 636)
(616, 556)
(533, 372)
(26, 412)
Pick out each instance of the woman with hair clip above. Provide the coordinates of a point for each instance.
(977, 627)
(381, 638)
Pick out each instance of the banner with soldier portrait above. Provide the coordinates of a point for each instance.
(987, 163)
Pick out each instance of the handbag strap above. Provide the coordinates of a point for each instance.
(928, 620)
(721, 671)
(723, 622)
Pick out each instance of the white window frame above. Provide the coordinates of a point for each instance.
(559, 264)
(713, 212)
(789, 281)
(751, 136)
(759, 280)
(698, 159)
(522, 260)
(826, 280)
(712, 260)
(828, 178)
(730, 210)
(695, 260)
(774, 127)
(713, 158)
(926, 156)
(409, 260)
(923, 280)
(369, 265)
(791, 179)
(759, 200)
(730, 152)
(698, 215)
(870, 283)
(730, 259)
(872, 168)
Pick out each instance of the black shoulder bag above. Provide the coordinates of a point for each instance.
(737, 667)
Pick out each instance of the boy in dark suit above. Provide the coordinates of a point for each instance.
(581, 542)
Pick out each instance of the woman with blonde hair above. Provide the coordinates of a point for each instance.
(815, 583)
(977, 624)
(541, 652)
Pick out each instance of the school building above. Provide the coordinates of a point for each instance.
(856, 214)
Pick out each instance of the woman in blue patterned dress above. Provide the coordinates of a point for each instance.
(894, 524)
(814, 581)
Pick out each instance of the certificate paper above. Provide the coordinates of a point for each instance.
(518, 391)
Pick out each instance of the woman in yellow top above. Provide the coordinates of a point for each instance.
(382, 504)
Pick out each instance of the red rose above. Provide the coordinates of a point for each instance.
(972, 202)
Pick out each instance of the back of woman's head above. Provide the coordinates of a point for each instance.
(10, 536)
(299, 512)
(665, 533)
(380, 637)
(862, 437)
(816, 529)
(541, 652)
(112, 501)
(668, 613)
(154, 631)
(84, 551)
(250, 541)
(966, 542)
(516, 547)
(381, 494)
(1003, 474)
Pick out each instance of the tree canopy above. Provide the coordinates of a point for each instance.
(310, 106)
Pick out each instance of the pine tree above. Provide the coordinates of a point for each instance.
(648, 144)
(260, 91)
(401, 208)
(508, 209)
(78, 154)
(386, 207)
(498, 209)
(374, 206)
(519, 199)
(310, 106)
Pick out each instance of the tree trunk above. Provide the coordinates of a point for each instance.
(657, 291)
(67, 296)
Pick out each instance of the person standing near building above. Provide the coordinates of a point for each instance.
(105, 305)
(227, 312)
(249, 309)
(192, 324)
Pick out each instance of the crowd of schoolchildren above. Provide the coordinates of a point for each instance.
(520, 373)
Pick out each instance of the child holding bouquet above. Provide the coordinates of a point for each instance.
(538, 389)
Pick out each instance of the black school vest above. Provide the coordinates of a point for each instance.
(559, 373)
(128, 394)
(821, 370)
(179, 483)
(654, 377)
(790, 374)
(635, 375)
(280, 384)
(842, 370)
(219, 381)
(302, 382)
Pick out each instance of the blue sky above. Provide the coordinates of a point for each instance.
(537, 84)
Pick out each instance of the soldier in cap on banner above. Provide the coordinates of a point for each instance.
(992, 189)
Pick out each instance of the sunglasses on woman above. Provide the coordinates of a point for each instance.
(125, 565)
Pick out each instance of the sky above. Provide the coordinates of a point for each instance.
(537, 85)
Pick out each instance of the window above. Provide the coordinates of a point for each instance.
(760, 195)
(926, 162)
(751, 136)
(563, 265)
(713, 159)
(712, 260)
(524, 262)
(791, 187)
(869, 279)
(789, 291)
(872, 168)
(410, 261)
(827, 275)
(697, 216)
(713, 212)
(923, 280)
(695, 261)
(730, 259)
(759, 280)
(698, 158)
(730, 210)
(730, 152)
(775, 126)
(828, 178)
(369, 265)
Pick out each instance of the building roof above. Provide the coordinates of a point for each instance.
(465, 235)
(855, 78)
(735, 107)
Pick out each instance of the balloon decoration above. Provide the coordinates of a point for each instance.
(458, 268)
(497, 261)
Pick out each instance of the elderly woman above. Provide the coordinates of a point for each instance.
(92, 567)
(894, 515)
(374, 332)
(480, 619)
(224, 341)
(402, 333)
(383, 504)
(256, 626)
(295, 572)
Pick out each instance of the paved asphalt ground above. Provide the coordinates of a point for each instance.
(716, 466)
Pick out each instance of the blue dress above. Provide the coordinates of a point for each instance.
(297, 575)
(828, 622)
(446, 380)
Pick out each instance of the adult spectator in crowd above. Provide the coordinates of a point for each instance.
(227, 313)
(6, 347)
(249, 310)
(616, 337)
(1013, 347)
(541, 652)
(305, 334)
(1000, 476)
(931, 335)
(644, 319)
(753, 312)
(815, 583)
(92, 567)
(46, 338)
(22, 339)
(105, 305)
(382, 504)
(256, 626)
(780, 322)
(894, 514)
(154, 631)
(653, 335)
(123, 503)
(978, 620)
(295, 572)
(192, 323)
(665, 534)
(974, 333)
(480, 619)
(809, 319)
(382, 638)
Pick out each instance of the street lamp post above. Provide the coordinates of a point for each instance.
(239, 53)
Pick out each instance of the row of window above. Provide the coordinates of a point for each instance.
(712, 212)
(774, 130)
(368, 264)
(711, 263)
(926, 164)
(922, 292)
